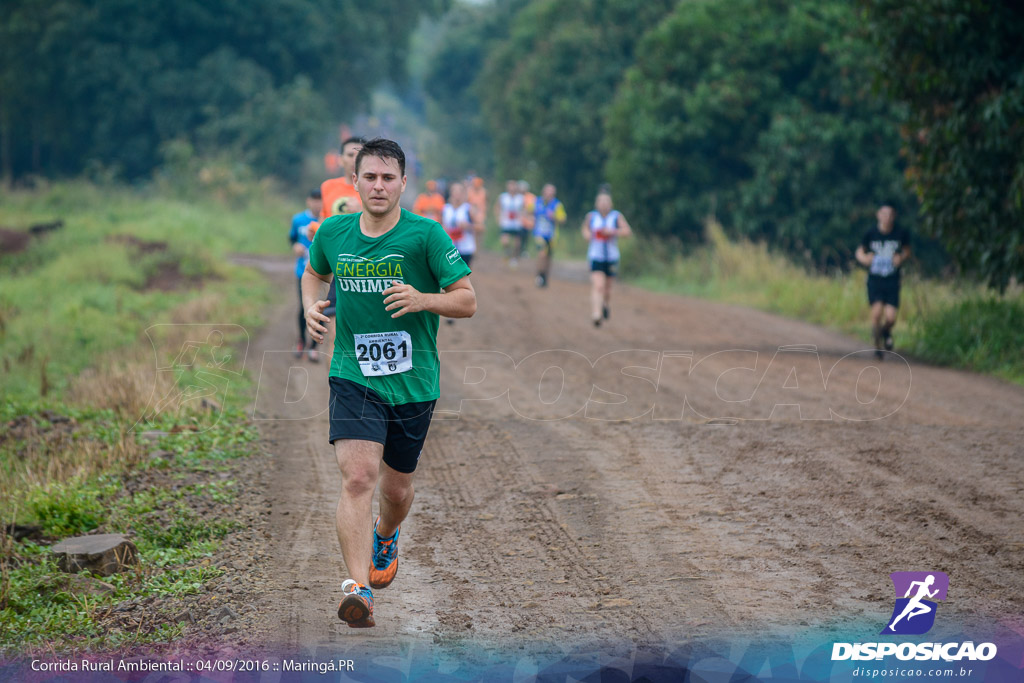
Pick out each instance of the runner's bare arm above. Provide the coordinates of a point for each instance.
(899, 258)
(458, 300)
(314, 300)
(473, 224)
(585, 227)
(624, 228)
(864, 257)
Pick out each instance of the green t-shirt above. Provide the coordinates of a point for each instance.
(396, 357)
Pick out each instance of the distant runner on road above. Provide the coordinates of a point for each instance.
(603, 227)
(548, 214)
(339, 197)
(339, 194)
(458, 221)
(509, 209)
(395, 273)
(529, 206)
(429, 203)
(884, 249)
(300, 241)
(476, 193)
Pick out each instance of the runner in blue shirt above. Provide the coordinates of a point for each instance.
(548, 215)
(300, 242)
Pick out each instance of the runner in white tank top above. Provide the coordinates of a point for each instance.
(602, 228)
(510, 220)
(457, 220)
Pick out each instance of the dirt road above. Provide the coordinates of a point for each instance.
(689, 469)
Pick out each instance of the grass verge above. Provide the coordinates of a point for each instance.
(80, 296)
(122, 340)
(173, 499)
(957, 324)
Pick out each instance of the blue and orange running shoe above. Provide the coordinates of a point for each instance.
(356, 608)
(385, 559)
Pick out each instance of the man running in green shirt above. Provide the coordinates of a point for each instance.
(395, 273)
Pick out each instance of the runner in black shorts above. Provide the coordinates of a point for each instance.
(883, 251)
(359, 412)
(602, 229)
(395, 273)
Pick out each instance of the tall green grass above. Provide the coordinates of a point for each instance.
(77, 296)
(957, 324)
(981, 332)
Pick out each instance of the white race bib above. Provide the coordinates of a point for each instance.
(882, 265)
(383, 353)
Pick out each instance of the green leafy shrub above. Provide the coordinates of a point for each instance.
(71, 508)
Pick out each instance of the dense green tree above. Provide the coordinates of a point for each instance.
(958, 65)
(830, 153)
(546, 88)
(760, 112)
(111, 80)
(460, 43)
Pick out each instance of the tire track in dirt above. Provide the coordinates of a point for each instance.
(510, 573)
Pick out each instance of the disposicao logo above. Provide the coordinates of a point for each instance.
(914, 614)
(916, 595)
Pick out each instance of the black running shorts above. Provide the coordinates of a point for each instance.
(884, 289)
(358, 412)
(606, 267)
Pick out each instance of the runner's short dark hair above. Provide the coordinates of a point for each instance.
(355, 138)
(315, 193)
(382, 149)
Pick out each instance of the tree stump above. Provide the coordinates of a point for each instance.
(104, 554)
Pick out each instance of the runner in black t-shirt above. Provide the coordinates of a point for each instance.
(882, 251)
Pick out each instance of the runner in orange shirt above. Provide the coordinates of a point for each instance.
(529, 205)
(429, 204)
(339, 194)
(476, 194)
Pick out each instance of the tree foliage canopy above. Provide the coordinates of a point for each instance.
(766, 118)
(762, 112)
(451, 83)
(109, 81)
(959, 69)
(547, 86)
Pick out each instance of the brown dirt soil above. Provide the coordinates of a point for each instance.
(167, 277)
(13, 241)
(755, 498)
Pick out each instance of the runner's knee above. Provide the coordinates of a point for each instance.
(396, 491)
(357, 480)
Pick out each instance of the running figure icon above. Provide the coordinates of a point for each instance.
(915, 607)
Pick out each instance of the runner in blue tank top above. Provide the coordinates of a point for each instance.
(548, 214)
(602, 228)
